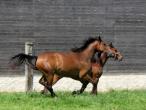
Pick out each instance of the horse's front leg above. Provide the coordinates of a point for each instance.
(94, 89)
(95, 75)
(86, 77)
(84, 85)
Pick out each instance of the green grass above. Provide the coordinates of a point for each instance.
(113, 100)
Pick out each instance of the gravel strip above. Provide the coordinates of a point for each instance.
(107, 82)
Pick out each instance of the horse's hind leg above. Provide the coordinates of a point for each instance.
(49, 78)
(43, 81)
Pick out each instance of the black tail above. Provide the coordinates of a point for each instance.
(21, 58)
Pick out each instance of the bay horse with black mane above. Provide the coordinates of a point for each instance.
(64, 64)
(97, 70)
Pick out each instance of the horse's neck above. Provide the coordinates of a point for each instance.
(88, 52)
(103, 58)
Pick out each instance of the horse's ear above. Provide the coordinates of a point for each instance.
(99, 38)
(111, 45)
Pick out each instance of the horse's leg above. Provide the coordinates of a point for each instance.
(94, 89)
(49, 76)
(84, 85)
(43, 81)
(95, 76)
(83, 74)
(89, 79)
(55, 79)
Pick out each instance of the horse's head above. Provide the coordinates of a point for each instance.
(102, 46)
(115, 53)
(97, 45)
(109, 49)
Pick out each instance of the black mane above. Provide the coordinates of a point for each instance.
(85, 45)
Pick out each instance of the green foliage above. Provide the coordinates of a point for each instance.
(113, 100)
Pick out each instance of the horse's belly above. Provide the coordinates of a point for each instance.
(71, 73)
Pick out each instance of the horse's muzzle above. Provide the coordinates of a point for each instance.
(119, 57)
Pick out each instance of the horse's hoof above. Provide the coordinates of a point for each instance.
(93, 93)
(43, 92)
(75, 92)
(53, 95)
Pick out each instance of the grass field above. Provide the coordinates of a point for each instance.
(113, 100)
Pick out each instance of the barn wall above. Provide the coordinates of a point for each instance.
(58, 25)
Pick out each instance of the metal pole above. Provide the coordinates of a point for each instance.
(28, 70)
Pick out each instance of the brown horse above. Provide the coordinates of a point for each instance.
(65, 64)
(97, 70)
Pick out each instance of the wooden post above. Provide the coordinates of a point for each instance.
(28, 70)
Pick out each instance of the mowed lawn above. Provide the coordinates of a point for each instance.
(113, 100)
